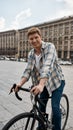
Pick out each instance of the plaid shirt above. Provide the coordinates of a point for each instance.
(49, 67)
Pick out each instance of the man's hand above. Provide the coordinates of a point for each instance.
(37, 89)
(15, 88)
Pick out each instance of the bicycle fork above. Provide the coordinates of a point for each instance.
(33, 121)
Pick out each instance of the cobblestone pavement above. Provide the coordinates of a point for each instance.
(10, 72)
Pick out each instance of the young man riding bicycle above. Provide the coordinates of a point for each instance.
(46, 74)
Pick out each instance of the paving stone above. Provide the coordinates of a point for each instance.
(11, 72)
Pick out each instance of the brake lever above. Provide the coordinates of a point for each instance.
(13, 87)
(16, 93)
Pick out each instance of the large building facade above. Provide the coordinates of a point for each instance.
(59, 32)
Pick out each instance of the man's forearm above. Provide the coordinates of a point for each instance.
(23, 80)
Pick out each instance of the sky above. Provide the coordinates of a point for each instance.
(18, 14)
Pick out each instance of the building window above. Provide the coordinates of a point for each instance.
(71, 45)
(50, 39)
(59, 54)
(71, 55)
(65, 54)
(55, 30)
(59, 47)
(60, 40)
(71, 23)
(71, 37)
(72, 30)
(65, 38)
(50, 31)
(67, 24)
(66, 30)
(65, 41)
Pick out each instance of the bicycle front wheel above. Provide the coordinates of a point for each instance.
(64, 107)
(24, 121)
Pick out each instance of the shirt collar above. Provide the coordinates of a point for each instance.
(43, 45)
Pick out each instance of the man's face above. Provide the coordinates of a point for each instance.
(35, 40)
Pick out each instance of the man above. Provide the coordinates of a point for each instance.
(46, 74)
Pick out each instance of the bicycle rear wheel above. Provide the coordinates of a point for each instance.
(64, 107)
(24, 121)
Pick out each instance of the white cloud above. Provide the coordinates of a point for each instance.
(20, 19)
(24, 19)
(68, 10)
(69, 3)
(64, 12)
(60, 14)
(2, 23)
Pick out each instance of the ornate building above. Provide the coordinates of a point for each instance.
(8, 44)
(59, 32)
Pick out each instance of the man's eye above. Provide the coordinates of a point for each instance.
(36, 37)
(31, 39)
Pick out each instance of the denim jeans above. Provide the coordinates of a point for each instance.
(55, 102)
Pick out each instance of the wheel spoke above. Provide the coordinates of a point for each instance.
(25, 121)
(64, 107)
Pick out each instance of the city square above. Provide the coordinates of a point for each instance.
(54, 19)
(11, 72)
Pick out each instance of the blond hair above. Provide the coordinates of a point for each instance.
(33, 30)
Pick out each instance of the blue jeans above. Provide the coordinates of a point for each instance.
(55, 102)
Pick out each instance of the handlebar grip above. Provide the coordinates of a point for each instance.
(24, 89)
(17, 96)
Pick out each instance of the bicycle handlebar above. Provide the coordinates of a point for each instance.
(27, 90)
(16, 93)
(23, 89)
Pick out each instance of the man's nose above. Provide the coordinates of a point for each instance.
(34, 40)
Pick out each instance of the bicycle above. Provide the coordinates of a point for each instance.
(30, 120)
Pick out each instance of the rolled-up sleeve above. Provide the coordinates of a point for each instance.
(50, 56)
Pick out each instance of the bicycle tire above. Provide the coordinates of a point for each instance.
(19, 122)
(64, 111)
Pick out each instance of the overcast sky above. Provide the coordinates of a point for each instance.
(18, 14)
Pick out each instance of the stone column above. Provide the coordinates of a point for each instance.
(68, 54)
